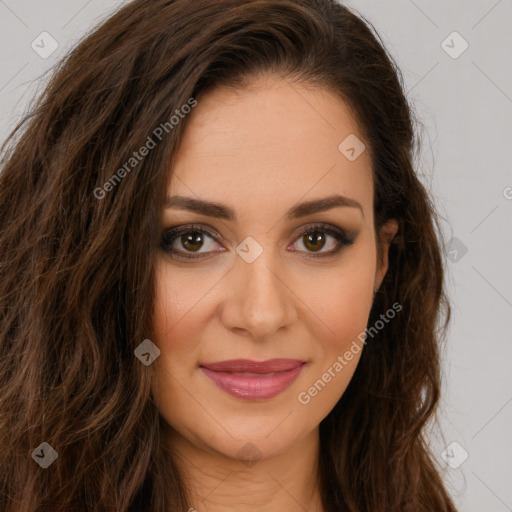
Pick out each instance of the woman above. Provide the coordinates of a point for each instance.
(221, 278)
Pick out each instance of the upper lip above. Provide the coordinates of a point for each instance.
(247, 365)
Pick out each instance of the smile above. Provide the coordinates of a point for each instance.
(253, 380)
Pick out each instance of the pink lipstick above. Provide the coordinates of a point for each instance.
(253, 380)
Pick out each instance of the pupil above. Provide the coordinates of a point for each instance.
(314, 238)
(188, 240)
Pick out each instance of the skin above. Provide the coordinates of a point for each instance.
(261, 150)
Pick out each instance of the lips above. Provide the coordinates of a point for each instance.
(246, 365)
(253, 380)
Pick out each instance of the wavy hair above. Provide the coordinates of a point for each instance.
(77, 265)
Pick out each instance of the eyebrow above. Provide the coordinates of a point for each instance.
(222, 211)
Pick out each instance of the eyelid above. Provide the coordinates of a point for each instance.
(186, 228)
(174, 232)
(343, 237)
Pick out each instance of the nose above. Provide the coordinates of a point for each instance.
(259, 299)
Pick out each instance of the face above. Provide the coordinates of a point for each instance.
(258, 277)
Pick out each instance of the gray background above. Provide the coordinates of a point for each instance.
(464, 101)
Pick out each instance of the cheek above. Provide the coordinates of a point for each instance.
(180, 302)
(343, 305)
(343, 302)
(347, 311)
(175, 295)
(344, 310)
(172, 312)
(175, 327)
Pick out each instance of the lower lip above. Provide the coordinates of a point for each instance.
(255, 386)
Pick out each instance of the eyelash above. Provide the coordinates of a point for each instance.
(171, 234)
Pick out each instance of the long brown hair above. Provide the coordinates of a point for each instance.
(78, 239)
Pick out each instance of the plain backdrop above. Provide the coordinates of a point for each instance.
(455, 57)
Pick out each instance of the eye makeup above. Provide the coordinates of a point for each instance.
(198, 234)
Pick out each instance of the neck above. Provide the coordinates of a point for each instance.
(215, 482)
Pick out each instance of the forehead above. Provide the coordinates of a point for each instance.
(275, 142)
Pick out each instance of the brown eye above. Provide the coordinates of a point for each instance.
(187, 242)
(314, 241)
(192, 241)
(316, 238)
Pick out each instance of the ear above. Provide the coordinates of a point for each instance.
(386, 235)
